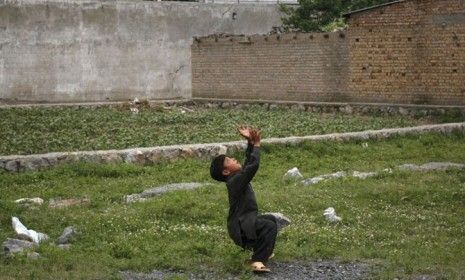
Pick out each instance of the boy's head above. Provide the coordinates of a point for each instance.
(223, 166)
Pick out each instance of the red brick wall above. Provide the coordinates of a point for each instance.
(412, 52)
(298, 67)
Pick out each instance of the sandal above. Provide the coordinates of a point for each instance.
(259, 267)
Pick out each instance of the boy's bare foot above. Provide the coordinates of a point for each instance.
(259, 267)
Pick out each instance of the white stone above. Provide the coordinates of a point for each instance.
(27, 234)
(34, 200)
(330, 215)
(293, 173)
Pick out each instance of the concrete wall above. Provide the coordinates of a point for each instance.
(291, 67)
(82, 51)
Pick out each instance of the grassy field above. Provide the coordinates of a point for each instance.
(42, 130)
(408, 223)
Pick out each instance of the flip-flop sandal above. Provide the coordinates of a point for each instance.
(259, 267)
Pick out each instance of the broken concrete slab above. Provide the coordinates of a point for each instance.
(12, 246)
(64, 203)
(314, 180)
(156, 191)
(431, 166)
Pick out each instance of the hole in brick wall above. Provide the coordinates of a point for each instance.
(364, 68)
(231, 39)
(278, 37)
(409, 39)
(266, 38)
(403, 74)
(311, 37)
(326, 36)
(357, 40)
(294, 37)
(342, 35)
(381, 12)
(454, 70)
(452, 55)
(370, 30)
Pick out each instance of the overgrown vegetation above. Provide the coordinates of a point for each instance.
(323, 15)
(42, 130)
(408, 223)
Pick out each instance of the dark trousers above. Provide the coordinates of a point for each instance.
(263, 246)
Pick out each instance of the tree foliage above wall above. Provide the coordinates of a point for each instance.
(323, 15)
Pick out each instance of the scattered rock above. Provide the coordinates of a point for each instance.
(27, 201)
(12, 246)
(27, 234)
(282, 221)
(363, 175)
(314, 180)
(68, 234)
(156, 191)
(64, 203)
(293, 174)
(33, 255)
(330, 215)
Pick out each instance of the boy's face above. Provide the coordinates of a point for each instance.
(230, 165)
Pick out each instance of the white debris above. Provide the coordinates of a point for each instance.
(330, 215)
(134, 110)
(293, 173)
(365, 145)
(34, 200)
(363, 175)
(27, 234)
(317, 179)
(136, 101)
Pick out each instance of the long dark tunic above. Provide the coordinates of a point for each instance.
(243, 207)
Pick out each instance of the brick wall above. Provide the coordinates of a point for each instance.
(411, 52)
(298, 67)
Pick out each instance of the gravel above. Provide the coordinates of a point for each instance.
(316, 270)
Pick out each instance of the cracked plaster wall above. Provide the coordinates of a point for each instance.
(89, 51)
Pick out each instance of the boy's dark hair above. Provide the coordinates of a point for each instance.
(216, 168)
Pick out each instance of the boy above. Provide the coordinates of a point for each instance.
(245, 227)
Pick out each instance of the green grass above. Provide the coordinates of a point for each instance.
(407, 222)
(42, 130)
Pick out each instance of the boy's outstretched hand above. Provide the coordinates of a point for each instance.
(244, 131)
(253, 136)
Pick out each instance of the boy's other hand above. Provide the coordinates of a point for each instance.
(255, 136)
